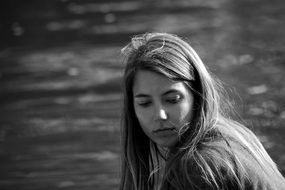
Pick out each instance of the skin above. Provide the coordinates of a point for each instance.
(162, 106)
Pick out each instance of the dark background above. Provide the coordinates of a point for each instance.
(60, 71)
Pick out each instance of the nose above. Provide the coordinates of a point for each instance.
(161, 114)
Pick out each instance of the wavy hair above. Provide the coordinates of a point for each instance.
(169, 55)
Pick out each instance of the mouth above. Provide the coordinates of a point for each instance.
(165, 131)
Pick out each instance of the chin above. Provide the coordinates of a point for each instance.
(167, 143)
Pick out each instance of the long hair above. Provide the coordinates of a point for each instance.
(172, 57)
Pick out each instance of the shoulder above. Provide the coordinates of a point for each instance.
(210, 166)
(225, 164)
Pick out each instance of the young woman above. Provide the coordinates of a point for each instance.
(175, 132)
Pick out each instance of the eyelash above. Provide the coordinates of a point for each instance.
(144, 104)
(174, 100)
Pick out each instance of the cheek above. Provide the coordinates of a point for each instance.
(144, 119)
(142, 115)
(183, 113)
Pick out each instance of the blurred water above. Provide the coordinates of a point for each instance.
(60, 70)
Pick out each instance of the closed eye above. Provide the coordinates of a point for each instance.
(144, 104)
(142, 100)
(174, 99)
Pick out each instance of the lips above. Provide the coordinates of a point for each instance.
(165, 132)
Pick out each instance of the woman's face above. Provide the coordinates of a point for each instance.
(162, 106)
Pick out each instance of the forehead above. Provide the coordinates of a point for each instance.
(148, 82)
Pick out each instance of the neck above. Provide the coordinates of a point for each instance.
(163, 152)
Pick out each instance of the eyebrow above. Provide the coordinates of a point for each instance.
(141, 95)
